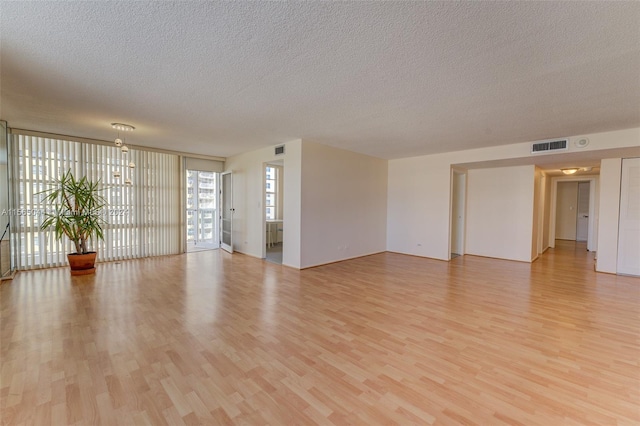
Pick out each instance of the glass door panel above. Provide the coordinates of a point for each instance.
(201, 217)
(227, 213)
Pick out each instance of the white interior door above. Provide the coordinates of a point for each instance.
(566, 208)
(582, 220)
(226, 212)
(629, 225)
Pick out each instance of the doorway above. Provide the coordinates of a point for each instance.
(582, 220)
(458, 198)
(226, 211)
(201, 215)
(273, 211)
(572, 211)
(564, 196)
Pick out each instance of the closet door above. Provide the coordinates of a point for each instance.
(629, 225)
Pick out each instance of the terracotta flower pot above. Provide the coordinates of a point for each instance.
(82, 264)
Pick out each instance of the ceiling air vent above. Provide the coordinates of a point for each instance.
(280, 150)
(550, 146)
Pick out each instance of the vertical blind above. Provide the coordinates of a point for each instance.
(142, 219)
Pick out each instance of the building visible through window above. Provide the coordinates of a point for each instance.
(201, 208)
(271, 191)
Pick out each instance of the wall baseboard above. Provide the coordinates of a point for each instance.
(9, 276)
(342, 260)
(421, 256)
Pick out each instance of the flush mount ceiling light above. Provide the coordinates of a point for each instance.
(124, 149)
(121, 127)
(569, 171)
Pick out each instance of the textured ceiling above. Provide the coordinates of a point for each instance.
(389, 79)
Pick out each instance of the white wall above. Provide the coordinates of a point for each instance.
(609, 214)
(418, 211)
(334, 203)
(292, 202)
(538, 199)
(344, 199)
(566, 210)
(500, 212)
(248, 201)
(417, 201)
(418, 206)
(547, 213)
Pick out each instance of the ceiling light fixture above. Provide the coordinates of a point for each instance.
(570, 171)
(121, 127)
(124, 149)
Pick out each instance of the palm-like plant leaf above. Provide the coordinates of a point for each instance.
(76, 210)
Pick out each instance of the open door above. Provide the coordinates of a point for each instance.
(226, 212)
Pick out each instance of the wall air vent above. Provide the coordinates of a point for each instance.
(549, 146)
(280, 150)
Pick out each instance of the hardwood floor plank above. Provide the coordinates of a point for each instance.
(58, 415)
(211, 338)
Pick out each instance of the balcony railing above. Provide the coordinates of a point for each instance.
(203, 227)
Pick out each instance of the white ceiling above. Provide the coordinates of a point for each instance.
(389, 79)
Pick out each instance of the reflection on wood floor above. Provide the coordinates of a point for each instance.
(201, 246)
(210, 338)
(274, 253)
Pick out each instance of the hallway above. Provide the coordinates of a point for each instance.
(567, 254)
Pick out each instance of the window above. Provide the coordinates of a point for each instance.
(271, 191)
(141, 219)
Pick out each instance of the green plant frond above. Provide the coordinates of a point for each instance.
(77, 208)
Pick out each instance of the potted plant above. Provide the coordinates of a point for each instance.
(76, 211)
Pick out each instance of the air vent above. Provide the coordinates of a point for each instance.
(549, 146)
(280, 150)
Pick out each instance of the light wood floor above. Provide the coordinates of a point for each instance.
(210, 338)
